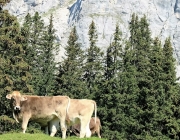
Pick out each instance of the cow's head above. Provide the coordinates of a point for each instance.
(16, 99)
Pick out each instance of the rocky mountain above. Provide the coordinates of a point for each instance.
(163, 16)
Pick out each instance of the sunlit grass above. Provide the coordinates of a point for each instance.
(38, 136)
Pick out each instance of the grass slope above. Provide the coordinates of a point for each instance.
(27, 136)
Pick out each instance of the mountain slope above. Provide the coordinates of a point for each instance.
(163, 16)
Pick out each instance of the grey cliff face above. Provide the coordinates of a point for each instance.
(163, 16)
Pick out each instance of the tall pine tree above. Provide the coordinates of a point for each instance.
(93, 64)
(128, 100)
(49, 69)
(41, 49)
(14, 70)
(171, 123)
(70, 81)
(109, 91)
(155, 79)
(141, 43)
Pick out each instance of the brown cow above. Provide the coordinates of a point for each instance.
(49, 111)
(94, 127)
(79, 111)
(41, 109)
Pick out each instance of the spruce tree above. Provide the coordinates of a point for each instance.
(128, 121)
(155, 77)
(36, 41)
(39, 41)
(155, 100)
(50, 49)
(163, 124)
(32, 30)
(70, 81)
(109, 92)
(114, 55)
(14, 70)
(170, 122)
(141, 43)
(168, 64)
(26, 31)
(93, 64)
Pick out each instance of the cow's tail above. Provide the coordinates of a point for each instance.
(100, 124)
(68, 105)
(95, 111)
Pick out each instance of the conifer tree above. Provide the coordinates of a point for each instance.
(26, 31)
(109, 96)
(155, 100)
(93, 63)
(127, 106)
(36, 41)
(168, 64)
(114, 55)
(14, 70)
(40, 53)
(70, 81)
(48, 65)
(162, 125)
(141, 43)
(170, 122)
(32, 31)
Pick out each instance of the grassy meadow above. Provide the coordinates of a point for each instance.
(39, 136)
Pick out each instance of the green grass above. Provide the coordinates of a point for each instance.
(27, 136)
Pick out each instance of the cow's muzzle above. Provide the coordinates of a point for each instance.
(17, 108)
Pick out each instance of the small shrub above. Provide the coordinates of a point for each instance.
(8, 125)
(34, 128)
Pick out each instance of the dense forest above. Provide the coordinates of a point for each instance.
(133, 81)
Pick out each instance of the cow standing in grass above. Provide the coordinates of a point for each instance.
(79, 111)
(41, 109)
(48, 111)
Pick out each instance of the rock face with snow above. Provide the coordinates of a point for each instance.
(163, 16)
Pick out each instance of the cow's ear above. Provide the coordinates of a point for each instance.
(9, 96)
(23, 98)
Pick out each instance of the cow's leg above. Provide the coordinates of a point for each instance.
(63, 128)
(85, 128)
(93, 130)
(46, 130)
(25, 123)
(99, 134)
(88, 131)
(53, 126)
(82, 131)
(98, 131)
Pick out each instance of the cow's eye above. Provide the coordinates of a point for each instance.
(13, 99)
